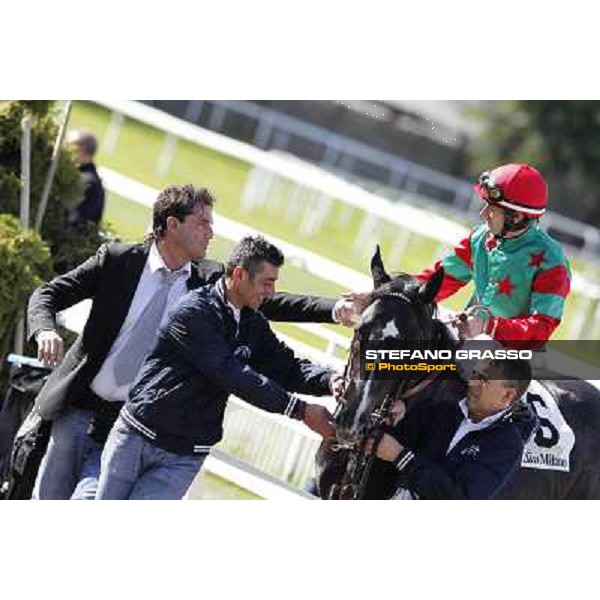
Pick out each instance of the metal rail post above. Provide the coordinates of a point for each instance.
(24, 209)
(53, 163)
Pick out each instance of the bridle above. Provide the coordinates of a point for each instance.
(402, 388)
(359, 464)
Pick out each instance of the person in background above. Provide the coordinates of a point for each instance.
(91, 205)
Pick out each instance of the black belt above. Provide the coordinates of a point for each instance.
(105, 414)
(89, 401)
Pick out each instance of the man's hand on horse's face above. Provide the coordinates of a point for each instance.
(397, 412)
(389, 448)
(319, 419)
(350, 306)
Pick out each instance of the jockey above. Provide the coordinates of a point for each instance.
(520, 273)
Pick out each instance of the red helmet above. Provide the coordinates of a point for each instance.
(517, 187)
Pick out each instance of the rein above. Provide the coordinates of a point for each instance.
(472, 310)
(396, 392)
(419, 387)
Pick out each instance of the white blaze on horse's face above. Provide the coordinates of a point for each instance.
(390, 330)
(365, 314)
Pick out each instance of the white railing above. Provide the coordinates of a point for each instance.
(246, 476)
(341, 154)
(234, 231)
(378, 213)
(417, 221)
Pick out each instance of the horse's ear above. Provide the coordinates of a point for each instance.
(428, 291)
(378, 270)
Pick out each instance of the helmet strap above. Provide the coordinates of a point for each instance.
(511, 225)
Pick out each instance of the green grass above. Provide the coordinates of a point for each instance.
(138, 149)
(128, 219)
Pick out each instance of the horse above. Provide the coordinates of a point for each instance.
(561, 461)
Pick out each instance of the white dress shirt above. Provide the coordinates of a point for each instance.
(104, 384)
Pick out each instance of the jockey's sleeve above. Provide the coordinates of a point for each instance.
(534, 328)
(549, 289)
(458, 270)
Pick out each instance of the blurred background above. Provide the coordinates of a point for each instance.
(328, 180)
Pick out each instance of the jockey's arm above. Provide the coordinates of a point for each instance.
(535, 329)
(458, 270)
(549, 290)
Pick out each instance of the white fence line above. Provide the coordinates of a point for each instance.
(341, 153)
(234, 231)
(414, 219)
(418, 221)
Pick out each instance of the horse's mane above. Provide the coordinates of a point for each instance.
(409, 286)
(399, 282)
(405, 284)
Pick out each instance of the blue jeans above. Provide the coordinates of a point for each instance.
(134, 469)
(71, 466)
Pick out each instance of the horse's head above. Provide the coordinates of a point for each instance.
(401, 309)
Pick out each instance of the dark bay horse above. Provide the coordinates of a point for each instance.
(561, 461)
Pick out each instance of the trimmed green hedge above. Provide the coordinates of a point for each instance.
(26, 259)
(67, 250)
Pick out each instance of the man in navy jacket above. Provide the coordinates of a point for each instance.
(215, 343)
(447, 449)
(91, 205)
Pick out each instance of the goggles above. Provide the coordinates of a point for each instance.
(491, 191)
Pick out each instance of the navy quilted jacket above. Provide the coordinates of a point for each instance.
(200, 357)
